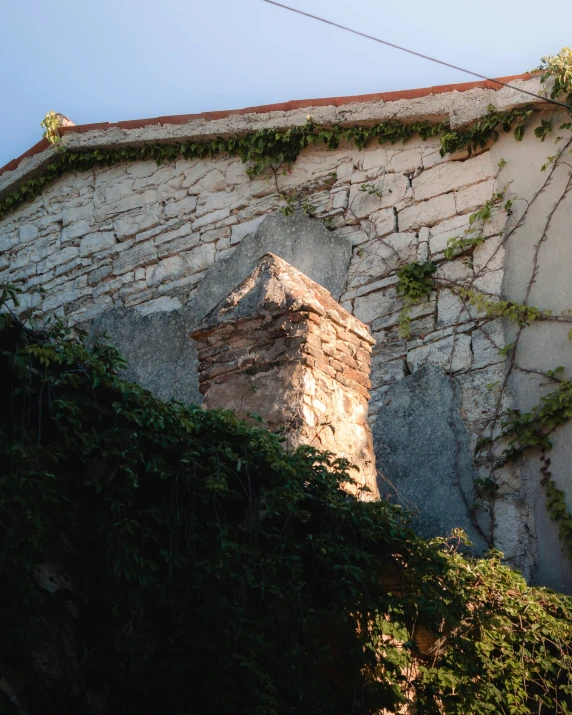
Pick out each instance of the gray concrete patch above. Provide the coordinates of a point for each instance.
(422, 447)
(303, 242)
(161, 356)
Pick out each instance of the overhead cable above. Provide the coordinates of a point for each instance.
(417, 54)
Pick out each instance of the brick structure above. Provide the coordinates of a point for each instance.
(281, 347)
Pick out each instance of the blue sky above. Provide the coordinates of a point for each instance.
(127, 59)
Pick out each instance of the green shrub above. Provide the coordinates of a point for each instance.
(198, 567)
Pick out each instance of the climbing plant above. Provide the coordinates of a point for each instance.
(162, 558)
(265, 148)
(519, 431)
(50, 124)
(558, 68)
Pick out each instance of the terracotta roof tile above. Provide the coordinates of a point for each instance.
(265, 108)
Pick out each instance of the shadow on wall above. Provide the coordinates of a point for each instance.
(422, 446)
(161, 356)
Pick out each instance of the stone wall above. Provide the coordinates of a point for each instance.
(144, 252)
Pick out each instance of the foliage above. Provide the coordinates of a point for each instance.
(518, 313)
(414, 280)
(556, 506)
(531, 430)
(414, 283)
(559, 68)
(293, 202)
(473, 236)
(266, 147)
(51, 123)
(198, 567)
(485, 129)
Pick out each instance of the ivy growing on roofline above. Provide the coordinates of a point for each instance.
(269, 148)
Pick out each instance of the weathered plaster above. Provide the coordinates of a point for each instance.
(422, 446)
(542, 346)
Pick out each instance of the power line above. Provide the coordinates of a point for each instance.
(417, 54)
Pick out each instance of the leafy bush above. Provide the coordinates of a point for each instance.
(157, 558)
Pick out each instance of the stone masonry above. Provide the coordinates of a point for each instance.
(146, 241)
(280, 347)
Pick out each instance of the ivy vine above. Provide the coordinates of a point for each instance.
(195, 566)
(50, 123)
(267, 147)
(519, 431)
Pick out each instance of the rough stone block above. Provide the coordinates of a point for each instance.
(456, 271)
(381, 256)
(94, 242)
(407, 160)
(129, 202)
(126, 227)
(28, 232)
(165, 304)
(58, 298)
(451, 354)
(77, 230)
(73, 214)
(176, 209)
(167, 269)
(385, 371)
(371, 196)
(480, 395)
(474, 197)
(210, 218)
(441, 233)
(184, 242)
(489, 282)
(487, 341)
(369, 307)
(427, 213)
(203, 178)
(141, 254)
(489, 256)
(451, 309)
(209, 203)
(57, 259)
(99, 275)
(384, 222)
(453, 175)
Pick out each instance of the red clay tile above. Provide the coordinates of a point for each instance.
(32, 151)
(10, 166)
(36, 149)
(406, 94)
(81, 128)
(266, 108)
(138, 123)
(179, 118)
(340, 101)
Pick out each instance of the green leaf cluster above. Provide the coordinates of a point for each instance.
(518, 313)
(558, 68)
(486, 129)
(266, 148)
(415, 281)
(196, 566)
(473, 236)
(50, 124)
